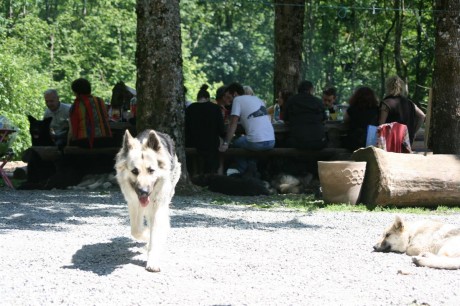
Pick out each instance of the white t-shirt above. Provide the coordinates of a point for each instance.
(254, 118)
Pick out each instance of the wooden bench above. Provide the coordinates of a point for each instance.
(52, 153)
(305, 155)
(324, 154)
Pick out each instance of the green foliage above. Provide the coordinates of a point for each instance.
(232, 41)
(20, 94)
(47, 44)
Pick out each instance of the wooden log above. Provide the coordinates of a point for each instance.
(409, 179)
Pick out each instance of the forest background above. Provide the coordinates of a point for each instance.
(47, 44)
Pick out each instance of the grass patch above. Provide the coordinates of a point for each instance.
(307, 202)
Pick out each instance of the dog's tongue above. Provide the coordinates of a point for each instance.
(144, 200)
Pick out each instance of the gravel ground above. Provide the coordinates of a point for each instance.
(74, 248)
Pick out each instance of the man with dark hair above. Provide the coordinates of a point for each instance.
(329, 97)
(305, 116)
(259, 133)
(89, 122)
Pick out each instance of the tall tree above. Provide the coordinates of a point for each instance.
(160, 93)
(289, 27)
(445, 124)
(401, 68)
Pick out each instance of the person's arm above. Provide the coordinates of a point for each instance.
(384, 110)
(230, 132)
(419, 118)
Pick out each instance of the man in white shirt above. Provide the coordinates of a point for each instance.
(252, 113)
(59, 112)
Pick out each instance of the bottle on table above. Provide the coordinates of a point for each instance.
(276, 113)
(340, 114)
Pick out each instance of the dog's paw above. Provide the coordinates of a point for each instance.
(422, 259)
(417, 260)
(143, 235)
(152, 268)
(426, 254)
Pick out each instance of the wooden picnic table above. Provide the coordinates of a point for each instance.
(5, 156)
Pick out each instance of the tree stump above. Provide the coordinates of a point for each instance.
(409, 179)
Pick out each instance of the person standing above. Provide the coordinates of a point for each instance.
(305, 117)
(89, 122)
(59, 114)
(204, 128)
(259, 132)
(396, 107)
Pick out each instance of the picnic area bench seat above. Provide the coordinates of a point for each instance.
(51, 153)
(194, 163)
(324, 154)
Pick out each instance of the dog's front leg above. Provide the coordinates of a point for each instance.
(136, 219)
(158, 232)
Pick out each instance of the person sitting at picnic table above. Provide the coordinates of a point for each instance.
(224, 103)
(362, 112)
(329, 97)
(204, 130)
(305, 116)
(396, 107)
(89, 122)
(59, 114)
(283, 96)
(259, 132)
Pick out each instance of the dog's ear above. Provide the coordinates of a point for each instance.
(31, 118)
(398, 224)
(47, 120)
(127, 141)
(152, 141)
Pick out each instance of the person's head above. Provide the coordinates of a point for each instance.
(51, 99)
(395, 86)
(283, 96)
(306, 87)
(329, 97)
(220, 96)
(248, 90)
(203, 94)
(364, 97)
(81, 86)
(234, 90)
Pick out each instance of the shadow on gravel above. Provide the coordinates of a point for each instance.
(104, 258)
(49, 211)
(185, 218)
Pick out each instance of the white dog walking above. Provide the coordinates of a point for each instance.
(147, 172)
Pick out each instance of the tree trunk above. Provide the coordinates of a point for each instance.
(160, 93)
(289, 25)
(445, 122)
(381, 49)
(401, 68)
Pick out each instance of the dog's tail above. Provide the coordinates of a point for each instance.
(437, 262)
